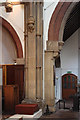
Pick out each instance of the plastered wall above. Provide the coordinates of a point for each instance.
(48, 10)
(69, 56)
(16, 19)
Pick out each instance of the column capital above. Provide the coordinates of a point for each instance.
(20, 61)
(52, 45)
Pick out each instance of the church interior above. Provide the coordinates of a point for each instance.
(39, 59)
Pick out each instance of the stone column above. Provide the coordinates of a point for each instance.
(30, 54)
(34, 51)
(41, 49)
(50, 54)
(39, 52)
(26, 8)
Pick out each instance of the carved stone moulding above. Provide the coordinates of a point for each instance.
(31, 24)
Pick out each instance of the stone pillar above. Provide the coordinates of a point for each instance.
(30, 53)
(33, 51)
(50, 54)
(25, 49)
(31, 56)
(39, 52)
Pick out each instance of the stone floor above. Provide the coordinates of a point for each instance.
(63, 114)
(59, 114)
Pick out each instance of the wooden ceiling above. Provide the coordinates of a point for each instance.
(73, 22)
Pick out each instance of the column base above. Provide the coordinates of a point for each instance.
(51, 108)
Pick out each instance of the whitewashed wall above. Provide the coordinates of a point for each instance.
(58, 83)
(16, 19)
(70, 57)
(9, 53)
(48, 10)
(0, 76)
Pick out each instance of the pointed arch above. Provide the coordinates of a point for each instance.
(14, 35)
(56, 20)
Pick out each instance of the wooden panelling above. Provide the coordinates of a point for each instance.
(11, 97)
(14, 75)
(19, 80)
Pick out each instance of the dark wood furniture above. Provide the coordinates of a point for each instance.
(11, 97)
(14, 75)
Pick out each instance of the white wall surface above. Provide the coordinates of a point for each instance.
(58, 82)
(48, 10)
(69, 55)
(9, 53)
(16, 19)
(0, 76)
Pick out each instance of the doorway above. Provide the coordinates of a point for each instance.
(69, 85)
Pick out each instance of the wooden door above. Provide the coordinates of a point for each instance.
(11, 97)
(14, 75)
(19, 80)
(69, 85)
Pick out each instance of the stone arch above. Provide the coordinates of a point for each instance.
(13, 33)
(54, 45)
(56, 26)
